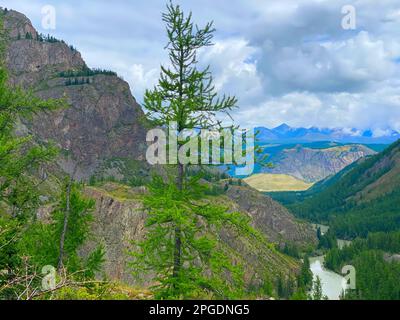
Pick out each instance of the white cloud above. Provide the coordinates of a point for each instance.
(287, 61)
(142, 79)
(234, 65)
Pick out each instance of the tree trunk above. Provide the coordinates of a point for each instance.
(181, 170)
(178, 234)
(177, 252)
(65, 226)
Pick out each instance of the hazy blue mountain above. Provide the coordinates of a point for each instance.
(286, 134)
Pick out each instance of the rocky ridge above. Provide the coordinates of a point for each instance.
(312, 165)
(103, 121)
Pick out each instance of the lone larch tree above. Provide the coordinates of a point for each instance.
(182, 245)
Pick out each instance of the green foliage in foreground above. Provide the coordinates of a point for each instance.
(34, 244)
(207, 271)
(41, 241)
(27, 244)
(19, 155)
(182, 245)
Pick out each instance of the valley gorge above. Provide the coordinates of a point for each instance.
(85, 215)
(102, 134)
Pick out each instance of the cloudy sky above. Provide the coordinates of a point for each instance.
(286, 61)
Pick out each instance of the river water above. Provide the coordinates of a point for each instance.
(333, 284)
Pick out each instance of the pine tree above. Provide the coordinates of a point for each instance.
(20, 157)
(316, 292)
(43, 241)
(305, 277)
(182, 240)
(200, 221)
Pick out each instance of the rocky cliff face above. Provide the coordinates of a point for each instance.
(28, 58)
(313, 165)
(103, 120)
(270, 217)
(120, 219)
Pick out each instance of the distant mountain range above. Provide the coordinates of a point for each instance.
(313, 161)
(287, 134)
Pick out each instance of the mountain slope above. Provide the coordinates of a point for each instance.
(310, 162)
(313, 162)
(276, 222)
(362, 199)
(120, 219)
(104, 120)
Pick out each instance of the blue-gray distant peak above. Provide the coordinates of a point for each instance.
(286, 134)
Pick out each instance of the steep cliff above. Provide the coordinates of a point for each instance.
(315, 164)
(120, 219)
(270, 217)
(104, 121)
